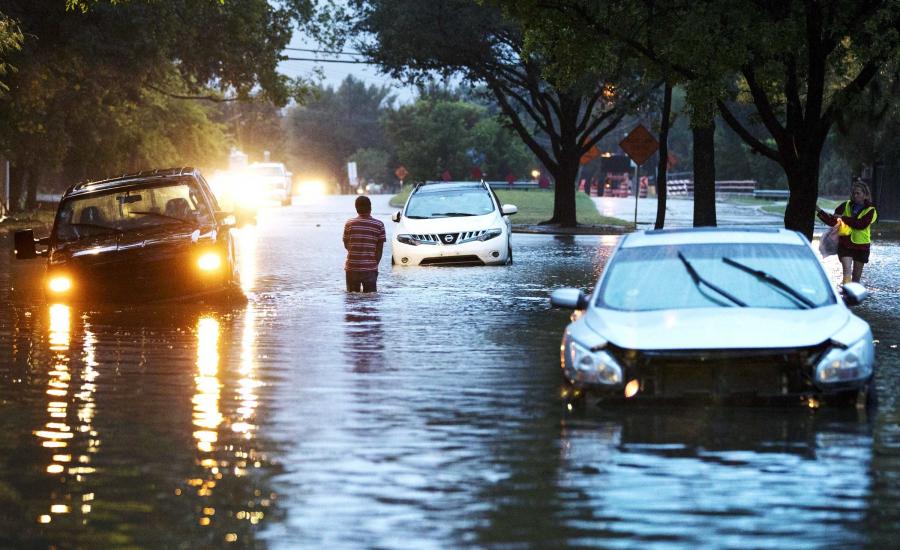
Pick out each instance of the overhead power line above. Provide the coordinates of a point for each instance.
(359, 62)
(329, 52)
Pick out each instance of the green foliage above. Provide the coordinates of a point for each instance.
(329, 128)
(433, 137)
(104, 87)
(373, 165)
(10, 40)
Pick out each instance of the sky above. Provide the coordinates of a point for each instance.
(335, 73)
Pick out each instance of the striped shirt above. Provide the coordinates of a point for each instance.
(361, 235)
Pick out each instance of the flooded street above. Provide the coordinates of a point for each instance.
(425, 416)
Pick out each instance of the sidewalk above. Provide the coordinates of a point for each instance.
(680, 212)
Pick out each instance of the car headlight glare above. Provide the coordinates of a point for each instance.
(490, 234)
(842, 365)
(59, 284)
(595, 367)
(209, 261)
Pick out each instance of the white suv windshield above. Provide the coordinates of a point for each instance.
(135, 208)
(445, 203)
(655, 277)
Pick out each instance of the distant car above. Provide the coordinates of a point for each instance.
(458, 223)
(140, 237)
(716, 314)
(266, 182)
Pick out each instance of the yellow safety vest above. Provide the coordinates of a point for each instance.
(860, 236)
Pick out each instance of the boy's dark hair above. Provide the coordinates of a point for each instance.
(363, 205)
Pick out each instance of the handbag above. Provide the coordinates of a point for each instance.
(828, 244)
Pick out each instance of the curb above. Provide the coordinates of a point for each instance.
(577, 230)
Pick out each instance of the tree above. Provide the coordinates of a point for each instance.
(10, 41)
(433, 136)
(558, 121)
(806, 62)
(328, 129)
(372, 165)
(664, 39)
(111, 67)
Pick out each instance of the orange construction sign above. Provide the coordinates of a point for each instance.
(590, 154)
(639, 144)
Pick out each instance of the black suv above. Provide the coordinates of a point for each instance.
(146, 236)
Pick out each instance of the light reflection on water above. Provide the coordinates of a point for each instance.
(426, 415)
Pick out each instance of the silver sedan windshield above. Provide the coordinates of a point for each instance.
(655, 277)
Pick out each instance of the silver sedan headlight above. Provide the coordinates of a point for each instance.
(592, 367)
(847, 364)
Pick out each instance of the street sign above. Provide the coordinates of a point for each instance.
(401, 172)
(351, 174)
(639, 144)
(590, 155)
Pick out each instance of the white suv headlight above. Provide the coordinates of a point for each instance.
(489, 234)
(847, 364)
(407, 239)
(593, 367)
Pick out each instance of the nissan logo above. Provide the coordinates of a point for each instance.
(448, 238)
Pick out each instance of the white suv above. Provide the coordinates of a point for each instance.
(453, 223)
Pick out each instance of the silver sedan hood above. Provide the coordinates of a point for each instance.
(718, 328)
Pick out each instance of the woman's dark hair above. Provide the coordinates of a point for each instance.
(363, 205)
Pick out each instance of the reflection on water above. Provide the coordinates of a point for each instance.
(71, 445)
(364, 337)
(684, 474)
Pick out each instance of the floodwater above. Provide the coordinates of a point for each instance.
(424, 416)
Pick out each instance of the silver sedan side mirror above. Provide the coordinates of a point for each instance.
(571, 298)
(853, 293)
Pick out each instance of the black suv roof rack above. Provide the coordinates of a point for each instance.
(143, 174)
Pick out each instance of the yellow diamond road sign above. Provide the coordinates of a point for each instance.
(639, 144)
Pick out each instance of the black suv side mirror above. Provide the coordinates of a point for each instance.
(226, 219)
(25, 245)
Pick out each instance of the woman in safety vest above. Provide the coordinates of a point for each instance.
(858, 214)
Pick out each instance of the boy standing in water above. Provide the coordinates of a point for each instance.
(364, 240)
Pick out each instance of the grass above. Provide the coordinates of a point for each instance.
(38, 219)
(535, 206)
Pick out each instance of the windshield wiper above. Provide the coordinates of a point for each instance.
(97, 225)
(164, 216)
(698, 280)
(452, 214)
(772, 281)
(417, 217)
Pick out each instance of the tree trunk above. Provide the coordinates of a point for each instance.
(564, 191)
(803, 181)
(31, 189)
(704, 175)
(18, 188)
(663, 166)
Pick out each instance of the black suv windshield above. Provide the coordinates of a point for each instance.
(447, 202)
(155, 206)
